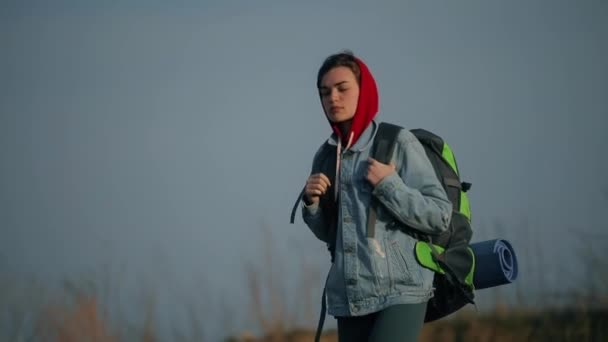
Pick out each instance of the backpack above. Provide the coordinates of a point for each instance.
(449, 254)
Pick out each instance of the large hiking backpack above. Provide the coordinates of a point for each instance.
(449, 253)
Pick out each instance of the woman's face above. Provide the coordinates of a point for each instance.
(339, 92)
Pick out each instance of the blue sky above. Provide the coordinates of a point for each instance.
(165, 136)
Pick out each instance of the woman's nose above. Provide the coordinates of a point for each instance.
(334, 96)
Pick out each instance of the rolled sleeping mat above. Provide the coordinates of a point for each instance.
(495, 263)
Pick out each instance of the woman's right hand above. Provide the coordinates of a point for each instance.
(316, 186)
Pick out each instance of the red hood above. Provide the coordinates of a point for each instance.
(367, 106)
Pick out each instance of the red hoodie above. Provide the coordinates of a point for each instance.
(367, 106)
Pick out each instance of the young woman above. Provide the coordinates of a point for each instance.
(375, 287)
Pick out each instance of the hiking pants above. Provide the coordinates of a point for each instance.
(397, 323)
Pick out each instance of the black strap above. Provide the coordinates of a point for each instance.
(295, 206)
(321, 317)
(382, 151)
(324, 153)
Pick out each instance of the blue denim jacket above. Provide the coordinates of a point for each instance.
(371, 273)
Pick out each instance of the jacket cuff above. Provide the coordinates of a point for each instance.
(310, 210)
(387, 185)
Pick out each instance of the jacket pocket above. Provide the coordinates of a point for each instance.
(404, 271)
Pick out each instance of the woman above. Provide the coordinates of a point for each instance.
(375, 287)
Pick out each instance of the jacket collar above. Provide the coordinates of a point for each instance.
(365, 140)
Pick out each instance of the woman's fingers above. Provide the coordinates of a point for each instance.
(317, 188)
(317, 184)
(319, 179)
(324, 179)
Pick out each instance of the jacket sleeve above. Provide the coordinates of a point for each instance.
(414, 195)
(313, 214)
(315, 220)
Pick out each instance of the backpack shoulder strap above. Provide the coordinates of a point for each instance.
(384, 142)
(382, 150)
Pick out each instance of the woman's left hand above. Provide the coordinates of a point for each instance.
(376, 171)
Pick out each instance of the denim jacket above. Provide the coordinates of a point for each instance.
(369, 274)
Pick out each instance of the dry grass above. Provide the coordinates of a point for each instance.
(81, 323)
(86, 321)
(497, 327)
(83, 314)
(84, 318)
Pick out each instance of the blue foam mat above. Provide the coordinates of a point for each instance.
(495, 263)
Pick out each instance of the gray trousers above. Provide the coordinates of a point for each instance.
(398, 323)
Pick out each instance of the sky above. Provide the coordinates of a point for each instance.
(173, 138)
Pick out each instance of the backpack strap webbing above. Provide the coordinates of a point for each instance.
(321, 316)
(295, 206)
(382, 151)
(322, 156)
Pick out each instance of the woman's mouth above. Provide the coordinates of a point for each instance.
(334, 109)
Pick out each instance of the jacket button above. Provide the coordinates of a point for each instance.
(349, 249)
(348, 219)
(352, 281)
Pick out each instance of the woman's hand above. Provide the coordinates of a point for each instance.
(376, 171)
(316, 186)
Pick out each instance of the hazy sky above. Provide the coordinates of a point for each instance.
(165, 136)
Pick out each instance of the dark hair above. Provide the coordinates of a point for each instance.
(345, 58)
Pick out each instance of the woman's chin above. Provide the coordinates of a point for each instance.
(338, 118)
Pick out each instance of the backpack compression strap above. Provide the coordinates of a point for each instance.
(382, 151)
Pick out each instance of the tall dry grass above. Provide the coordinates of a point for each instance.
(88, 308)
(82, 322)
